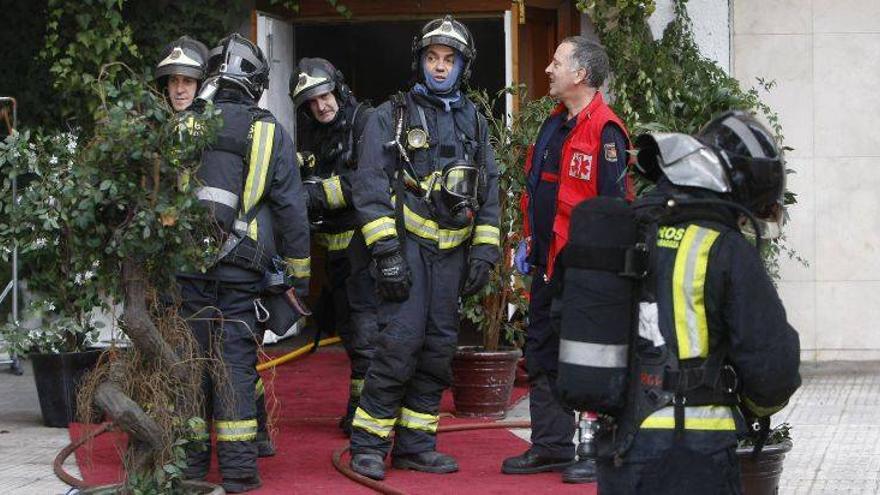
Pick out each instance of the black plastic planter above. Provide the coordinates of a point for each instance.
(58, 377)
(761, 476)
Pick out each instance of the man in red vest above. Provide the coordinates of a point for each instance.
(580, 152)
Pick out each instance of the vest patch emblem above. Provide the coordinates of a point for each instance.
(669, 237)
(581, 166)
(610, 152)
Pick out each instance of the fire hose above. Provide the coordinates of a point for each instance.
(378, 486)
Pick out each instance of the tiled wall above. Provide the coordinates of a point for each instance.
(825, 58)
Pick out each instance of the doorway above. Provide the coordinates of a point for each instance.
(376, 56)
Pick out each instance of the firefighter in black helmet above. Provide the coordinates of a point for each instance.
(181, 70)
(180, 73)
(426, 192)
(714, 346)
(250, 182)
(330, 122)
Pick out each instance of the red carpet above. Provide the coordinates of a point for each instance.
(311, 394)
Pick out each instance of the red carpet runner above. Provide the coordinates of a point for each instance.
(311, 395)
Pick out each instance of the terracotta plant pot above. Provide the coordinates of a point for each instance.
(761, 476)
(482, 381)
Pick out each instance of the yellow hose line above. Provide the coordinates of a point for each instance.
(290, 356)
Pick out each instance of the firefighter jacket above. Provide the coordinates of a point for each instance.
(578, 177)
(711, 307)
(252, 165)
(334, 146)
(453, 134)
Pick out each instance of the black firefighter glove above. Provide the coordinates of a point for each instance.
(314, 192)
(393, 277)
(477, 278)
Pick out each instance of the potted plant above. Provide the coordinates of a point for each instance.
(760, 475)
(57, 329)
(483, 375)
(110, 218)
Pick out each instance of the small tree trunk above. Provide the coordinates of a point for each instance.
(145, 436)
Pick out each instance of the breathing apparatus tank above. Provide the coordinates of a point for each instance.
(598, 306)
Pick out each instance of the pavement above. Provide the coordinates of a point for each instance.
(835, 418)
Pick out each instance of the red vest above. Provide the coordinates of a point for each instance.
(578, 170)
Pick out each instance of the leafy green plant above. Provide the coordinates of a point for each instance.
(490, 309)
(168, 478)
(779, 434)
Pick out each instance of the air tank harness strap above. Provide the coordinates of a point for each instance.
(626, 261)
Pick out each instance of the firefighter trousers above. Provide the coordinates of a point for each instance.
(358, 337)
(222, 319)
(412, 362)
(553, 425)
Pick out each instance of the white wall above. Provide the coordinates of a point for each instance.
(824, 56)
(275, 38)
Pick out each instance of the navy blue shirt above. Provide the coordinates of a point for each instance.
(543, 194)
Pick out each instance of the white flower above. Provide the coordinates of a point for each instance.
(78, 279)
(40, 242)
(71, 142)
(88, 275)
(51, 306)
(96, 263)
(53, 160)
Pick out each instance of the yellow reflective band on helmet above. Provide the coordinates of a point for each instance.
(487, 234)
(260, 389)
(418, 421)
(381, 427)
(333, 192)
(299, 267)
(688, 292)
(707, 418)
(236, 431)
(761, 411)
(258, 169)
(356, 387)
(335, 242)
(429, 229)
(378, 229)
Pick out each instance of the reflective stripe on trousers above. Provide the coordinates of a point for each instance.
(710, 418)
(236, 431)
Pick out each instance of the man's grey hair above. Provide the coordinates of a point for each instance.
(589, 55)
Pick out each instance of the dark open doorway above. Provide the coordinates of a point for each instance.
(375, 56)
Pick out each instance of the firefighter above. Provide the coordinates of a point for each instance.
(426, 192)
(181, 73)
(713, 333)
(250, 182)
(580, 153)
(330, 123)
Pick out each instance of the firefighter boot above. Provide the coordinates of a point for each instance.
(241, 485)
(370, 465)
(428, 462)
